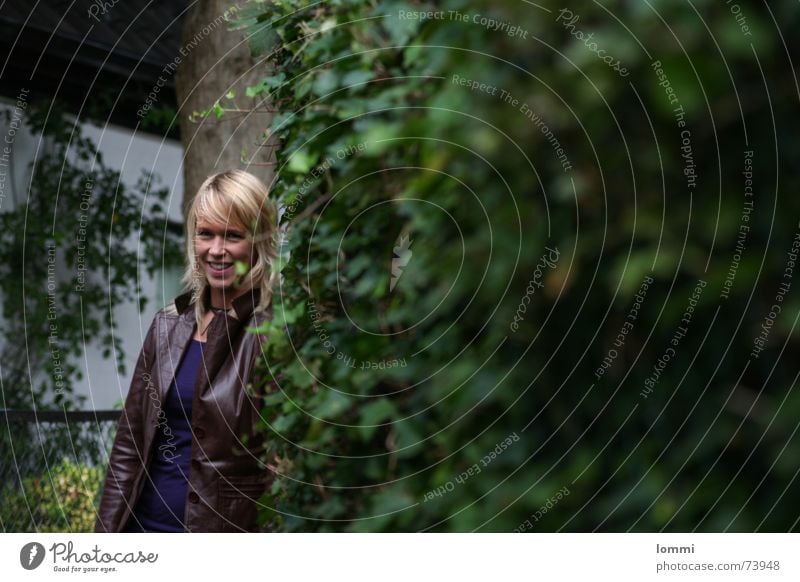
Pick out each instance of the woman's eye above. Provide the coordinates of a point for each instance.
(234, 236)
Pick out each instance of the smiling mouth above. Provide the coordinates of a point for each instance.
(219, 266)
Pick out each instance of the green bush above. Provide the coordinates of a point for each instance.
(62, 500)
(452, 289)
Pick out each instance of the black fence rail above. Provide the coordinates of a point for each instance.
(52, 465)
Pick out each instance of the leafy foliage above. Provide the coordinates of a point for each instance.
(67, 258)
(537, 186)
(62, 500)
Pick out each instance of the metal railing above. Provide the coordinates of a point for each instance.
(51, 468)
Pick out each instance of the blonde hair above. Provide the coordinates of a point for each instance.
(240, 199)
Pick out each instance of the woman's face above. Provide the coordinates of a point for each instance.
(219, 246)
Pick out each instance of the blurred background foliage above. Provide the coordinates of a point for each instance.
(62, 499)
(390, 394)
(66, 261)
(52, 469)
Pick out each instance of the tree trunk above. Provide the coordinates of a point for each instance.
(214, 61)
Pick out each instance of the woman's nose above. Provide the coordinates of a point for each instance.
(218, 245)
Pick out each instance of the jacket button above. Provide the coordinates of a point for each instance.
(193, 497)
(199, 432)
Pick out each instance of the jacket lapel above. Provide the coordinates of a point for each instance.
(224, 335)
(172, 344)
(222, 338)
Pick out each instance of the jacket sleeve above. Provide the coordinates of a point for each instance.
(127, 455)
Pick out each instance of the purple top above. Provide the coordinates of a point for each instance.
(162, 504)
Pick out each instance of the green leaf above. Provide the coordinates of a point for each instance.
(285, 422)
(332, 404)
(375, 413)
(378, 411)
(357, 78)
(273, 399)
(261, 38)
(241, 268)
(302, 161)
(327, 25)
(325, 81)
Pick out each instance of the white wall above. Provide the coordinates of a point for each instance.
(128, 153)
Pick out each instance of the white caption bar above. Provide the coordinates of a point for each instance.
(400, 557)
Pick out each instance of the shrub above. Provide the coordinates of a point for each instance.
(62, 500)
(435, 224)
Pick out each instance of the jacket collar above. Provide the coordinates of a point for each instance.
(241, 308)
(223, 334)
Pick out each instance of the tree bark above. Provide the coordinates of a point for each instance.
(215, 61)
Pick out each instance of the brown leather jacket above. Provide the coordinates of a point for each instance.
(225, 478)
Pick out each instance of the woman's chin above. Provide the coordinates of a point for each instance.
(219, 283)
(227, 285)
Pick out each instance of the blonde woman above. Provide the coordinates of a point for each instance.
(179, 460)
